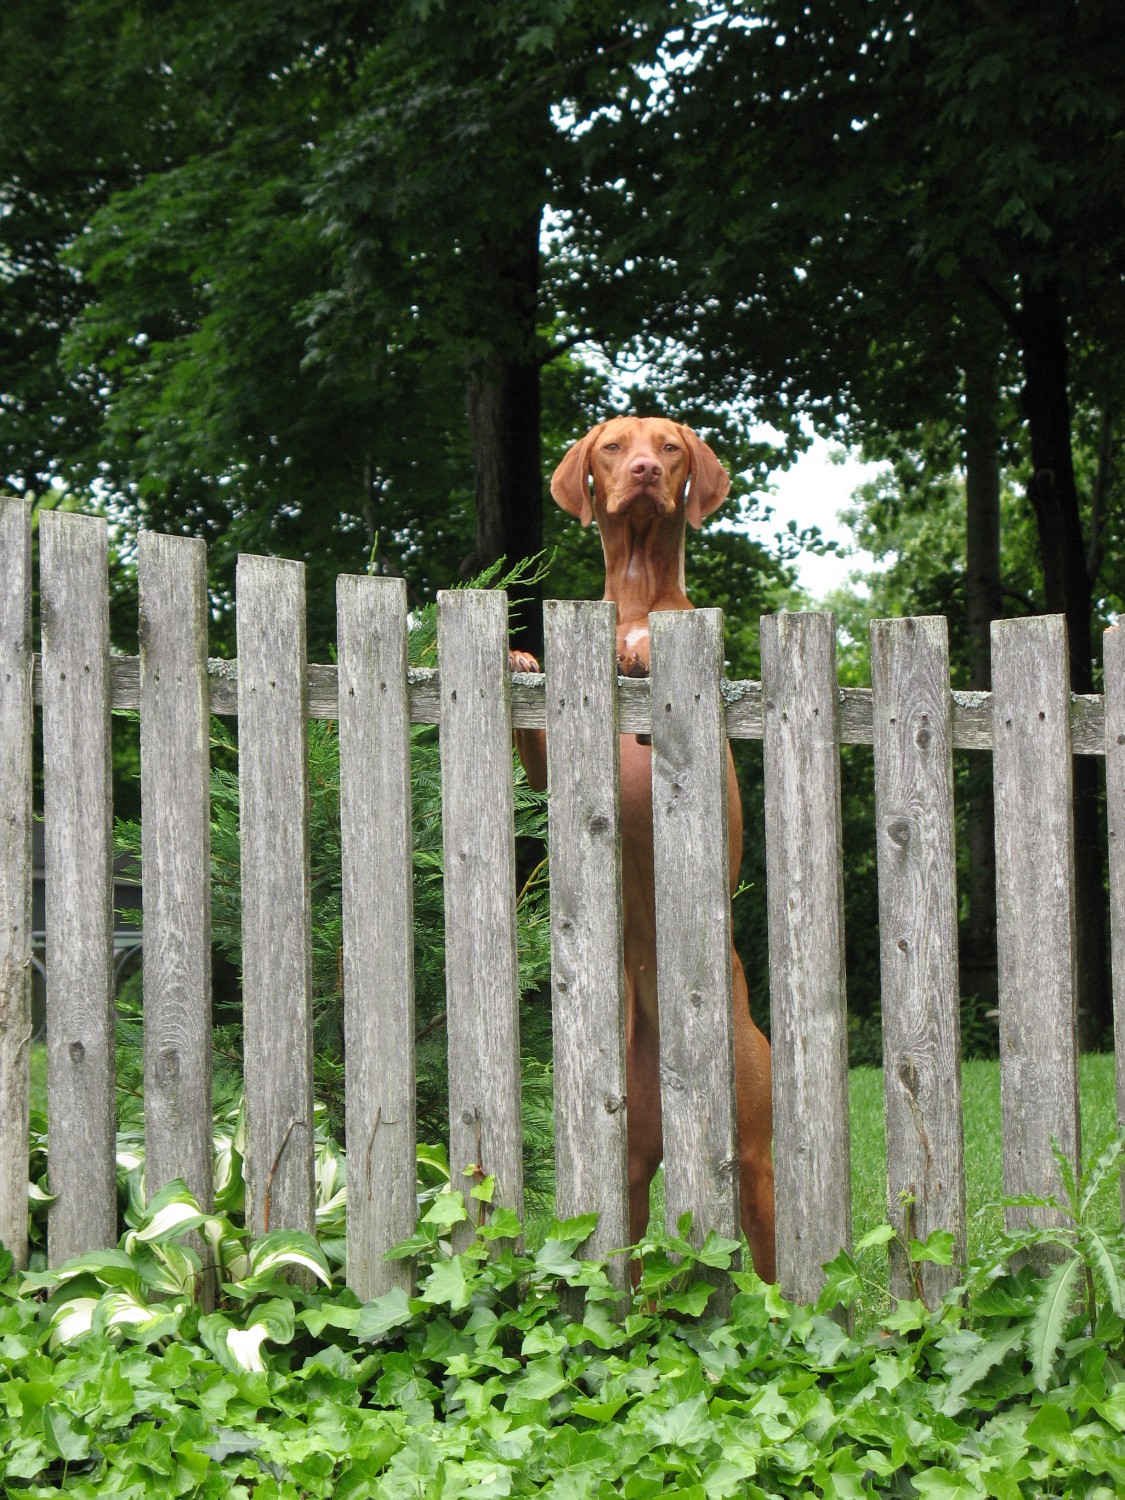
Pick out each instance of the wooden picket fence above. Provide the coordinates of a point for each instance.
(1031, 723)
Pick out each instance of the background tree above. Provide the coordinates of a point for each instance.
(897, 202)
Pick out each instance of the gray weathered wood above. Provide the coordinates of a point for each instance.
(273, 819)
(972, 711)
(693, 939)
(1035, 905)
(587, 979)
(78, 818)
(176, 863)
(918, 944)
(378, 906)
(1114, 664)
(15, 871)
(482, 980)
(808, 1005)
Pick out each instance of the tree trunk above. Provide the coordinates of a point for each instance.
(502, 402)
(982, 604)
(1054, 496)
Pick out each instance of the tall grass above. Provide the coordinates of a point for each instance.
(980, 1082)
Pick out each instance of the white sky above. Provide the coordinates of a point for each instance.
(811, 493)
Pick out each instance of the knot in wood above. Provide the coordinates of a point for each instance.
(597, 823)
(923, 736)
(168, 1065)
(613, 1103)
(898, 831)
(77, 1052)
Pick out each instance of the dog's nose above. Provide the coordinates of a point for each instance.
(645, 468)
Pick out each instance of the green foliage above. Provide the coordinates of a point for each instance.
(520, 1371)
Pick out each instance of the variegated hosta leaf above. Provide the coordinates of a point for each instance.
(241, 1348)
(245, 1346)
(71, 1320)
(171, 1213)
(110, 1267)
(288, 1247)
(119, 1312)
(170, 1270)
(227, 1250)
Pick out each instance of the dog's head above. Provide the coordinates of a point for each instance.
(640, 464)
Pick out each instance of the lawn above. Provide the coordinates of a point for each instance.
(980, 1082)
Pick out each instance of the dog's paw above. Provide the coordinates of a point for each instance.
(630, 664)
(522, 661)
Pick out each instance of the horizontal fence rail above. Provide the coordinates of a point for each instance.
(742, 700)
(1031, 722)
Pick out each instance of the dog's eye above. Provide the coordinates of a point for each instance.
(671, 448)
(612, 448)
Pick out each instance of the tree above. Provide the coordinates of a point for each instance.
(896, 197)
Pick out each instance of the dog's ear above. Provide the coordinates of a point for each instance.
(709, 480)
(570, 483)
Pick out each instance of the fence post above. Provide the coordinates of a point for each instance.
(378, 907)
(482, 975)
(276, 905)
(78, 826)
(1031, 759)
(176, 862)
(808, 1005)
(913, 743)
(1114, 664)
(16, 711)
(693, 939)
(587, 980)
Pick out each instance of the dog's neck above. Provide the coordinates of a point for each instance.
(644, 570)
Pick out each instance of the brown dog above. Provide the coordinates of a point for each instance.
(651, 477)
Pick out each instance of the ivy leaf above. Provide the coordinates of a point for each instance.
(880, 1235)
(842, 1283)
(379, 1316)
(940, 1484)
(63, 1438)
(717, 1251)
(682, 1425)
(447, 1285)
(504, 1224)
(936, 1248)
(448, 1208)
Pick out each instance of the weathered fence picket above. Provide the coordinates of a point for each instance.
(918, 944)
(693, 936)
(176, 860)
(276, 902)
(1031, 759)
(16, 715)
(805, 898)
(378, 912)
(482, 976)
(77, 815)
(910, 715)
(587, 978)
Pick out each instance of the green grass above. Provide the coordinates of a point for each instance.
(980, 1083)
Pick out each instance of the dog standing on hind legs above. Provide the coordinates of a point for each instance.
(644, 479)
